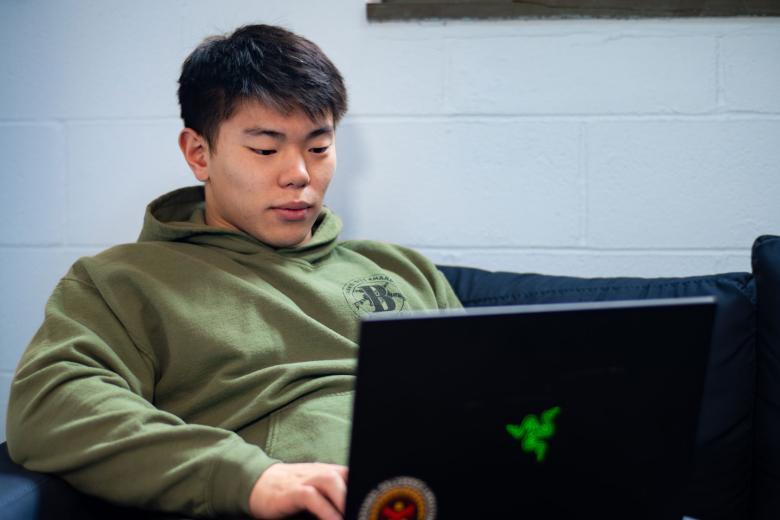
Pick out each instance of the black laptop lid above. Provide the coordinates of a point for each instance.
(548, 411)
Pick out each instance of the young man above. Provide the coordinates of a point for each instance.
(208, 369)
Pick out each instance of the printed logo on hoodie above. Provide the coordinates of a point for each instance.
(375, 293)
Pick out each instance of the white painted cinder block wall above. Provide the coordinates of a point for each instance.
(581, 147)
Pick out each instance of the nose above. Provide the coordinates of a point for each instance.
(295, 174)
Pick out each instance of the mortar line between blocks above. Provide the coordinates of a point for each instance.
(447, 73)
(735, 115)
(720, 100)
(72, 248)
(99, 120)
(581, 251)
(65, 222)
(584, 174)
(715, 116)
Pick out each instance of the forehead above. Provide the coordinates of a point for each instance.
(251, 114)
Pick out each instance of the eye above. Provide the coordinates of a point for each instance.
(263, 152)
(319, 149)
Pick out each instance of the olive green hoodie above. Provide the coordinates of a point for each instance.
(170, 373)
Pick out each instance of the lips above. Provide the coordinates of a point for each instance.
(293, 211)
(295, 205)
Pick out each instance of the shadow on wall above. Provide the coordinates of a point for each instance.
(352, 162)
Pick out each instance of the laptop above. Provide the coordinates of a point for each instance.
(544, 411)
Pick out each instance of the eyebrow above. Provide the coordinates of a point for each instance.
(256, 131)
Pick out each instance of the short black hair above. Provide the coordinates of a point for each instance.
(257, 62)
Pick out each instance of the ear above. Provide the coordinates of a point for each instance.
(195, 150)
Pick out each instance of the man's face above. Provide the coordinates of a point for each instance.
(268, 173)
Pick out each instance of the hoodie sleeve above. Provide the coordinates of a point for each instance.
(81, 407)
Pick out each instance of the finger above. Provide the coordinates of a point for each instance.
(333, 486)
(314, 502)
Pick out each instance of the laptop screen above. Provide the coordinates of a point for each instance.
(548, 411)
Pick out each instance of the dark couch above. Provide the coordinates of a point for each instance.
(737, 451)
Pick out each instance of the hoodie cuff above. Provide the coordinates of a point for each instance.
(233, 478)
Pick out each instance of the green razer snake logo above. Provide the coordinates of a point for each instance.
(533, 433)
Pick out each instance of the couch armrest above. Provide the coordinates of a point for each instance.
(26, 495)
(766, 268)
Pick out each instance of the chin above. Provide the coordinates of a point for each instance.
(284, 242)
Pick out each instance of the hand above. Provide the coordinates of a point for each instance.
(284, 489)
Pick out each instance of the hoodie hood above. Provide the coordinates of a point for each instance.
(179, 216)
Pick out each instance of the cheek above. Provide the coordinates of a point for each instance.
(326, 172)
(243, 177)
(327, 177)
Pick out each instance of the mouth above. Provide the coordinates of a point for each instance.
(296, 204)
(293, 211)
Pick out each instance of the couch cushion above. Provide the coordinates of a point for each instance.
(26, 495)
(721, 482)
(766, 269)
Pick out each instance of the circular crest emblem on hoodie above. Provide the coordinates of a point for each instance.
(401, 498)
(375, 293)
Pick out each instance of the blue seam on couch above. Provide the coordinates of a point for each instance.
(742, 287)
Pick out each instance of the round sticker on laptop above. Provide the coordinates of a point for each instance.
(401, 498)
